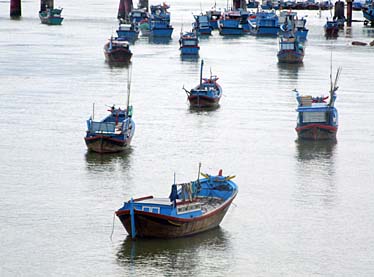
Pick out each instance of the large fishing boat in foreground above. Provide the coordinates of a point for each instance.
(117, 51)
(317, 119)
(191, 208)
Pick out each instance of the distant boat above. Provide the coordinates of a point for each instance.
(189, 44)
(290, 50)
(264, 24)
(141, 18)
(191, 208)
(201, 25)
(213, 17)
(207, 93)
(368, 12)
(115, 132)
(331, 28)
(317, 119)
(128, 31)
(290, 21)
(252, 4)
(234, 23)
(51, 16)
(159, 24)
(117, 50)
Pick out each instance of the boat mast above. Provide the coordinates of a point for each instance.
(128, 88)
(201, 73)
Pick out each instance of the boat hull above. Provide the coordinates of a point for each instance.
(117, 56)
(286, 56)
(51, 20)
(317, 132)
(189, 50)
(201, 101)
(161, 32)
(128, 35)
(105, 144)
(160, 226)
(368, 14)
(301, 35)
(265, 31)
(225, 31)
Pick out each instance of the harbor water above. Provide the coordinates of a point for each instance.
(303, 209)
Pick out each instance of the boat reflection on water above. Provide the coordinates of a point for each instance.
(198, 110)
(289, 71)
(190, 58)
(175, 256)
(113, 65)
(315, 178)
(159, 40)
(108, 162)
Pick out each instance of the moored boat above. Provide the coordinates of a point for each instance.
(159, 24)
(331, 28)
(115, 132)
(368, 12)
(117, 50)
(191, 208)
(317, 119)
(189, 44)
(264, 24)
(207, 93)
(201, 25)
(289, 20)
(213, 17)
(51, 16)
(234, 23)
(128, 31)
(290, 50)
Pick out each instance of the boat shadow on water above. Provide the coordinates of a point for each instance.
(171, 255)
(190, 58)
(289, 70)
(201, 110)
(159, 40)
(118, 64)
(105, 162)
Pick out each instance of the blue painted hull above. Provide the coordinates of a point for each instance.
(369, 14)
(128, 35)
(162, 32)
(290, 56)
(214, 24)
(204, 31)
(301, 35)
(189, 50)
(265, 31)
(230, 31)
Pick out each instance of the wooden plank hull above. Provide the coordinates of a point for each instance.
(290, 57)
(317, 132)
(203, 101)
(104, 144)
(158, 226)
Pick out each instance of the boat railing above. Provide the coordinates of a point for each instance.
(102, 127)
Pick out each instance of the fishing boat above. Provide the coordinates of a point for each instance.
(51, 16)
(252, 4)
(189, 44)
(191, 208)
(201, 25)
(289, 21)
(128, 31)
(264, 24)
(115, 132)
(213, 17)
(234, 23)
(207, 93)
(117, 50)
(159, 24)
(368, 12)
(317, 117)
(290, 50)
(326, 5)
(331, 28)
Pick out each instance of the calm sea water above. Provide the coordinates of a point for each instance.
(303, 209)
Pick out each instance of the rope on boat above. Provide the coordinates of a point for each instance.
(114, 217)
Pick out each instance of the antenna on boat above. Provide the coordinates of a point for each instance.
(93, 111)
(174, 178)
(128, 87)
(198, 175)
(201, 72)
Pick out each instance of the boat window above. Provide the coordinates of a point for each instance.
(309, 117)
(189, 42)
(287, 46)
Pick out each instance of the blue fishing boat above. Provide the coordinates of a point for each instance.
(191, 208)
(234, 23)
(289, 21)
(159, 25)
(117, 51)
(115, 132)
(201, 25)
(318, 119)
(189, 44)
(368, 12)
(252, 4)
(206, 94)
(264, 24)
(137, 15)
(128, 31)
(290, 50)
(326, 5)
(214, 16)
(312, 5)
(51, 16)
(331, 28)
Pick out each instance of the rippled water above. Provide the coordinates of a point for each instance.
(303, 208)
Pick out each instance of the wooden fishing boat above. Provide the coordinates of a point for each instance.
(117, 50)
(115, 132)
(51, 16)
(159, 24)
(264, 24)
(234, 23)
(213, 17)
(189, 44)
(206, 94)
(190, 209)
(201, 25)
(317, 119)
(290, 50)
(331, 28)
(289, 21)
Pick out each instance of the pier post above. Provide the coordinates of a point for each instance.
(15, 8)
(349, 12)
(339, 10)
